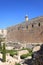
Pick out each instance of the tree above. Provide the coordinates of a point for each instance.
(4, 53)
(2, 39)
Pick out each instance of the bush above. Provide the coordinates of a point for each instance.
(12, 54)
(25, 55)
(11, 51)
(17, 64)
(30, 50)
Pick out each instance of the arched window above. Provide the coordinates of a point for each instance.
(38, 24)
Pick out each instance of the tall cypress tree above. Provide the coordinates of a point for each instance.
(4, 53)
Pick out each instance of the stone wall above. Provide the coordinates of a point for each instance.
(27, 32)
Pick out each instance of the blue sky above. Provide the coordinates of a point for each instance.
(12, 12)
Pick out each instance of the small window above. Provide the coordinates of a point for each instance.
(32, 25)
(18, 28)
(2, 31)
(27, 26)
(39, 24)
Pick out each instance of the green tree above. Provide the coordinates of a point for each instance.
(2, 39)
(4, 53)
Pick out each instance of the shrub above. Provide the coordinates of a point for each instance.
(25, 55)
(30, 50)
(17, 64)
(11, 51)
(12, 54)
